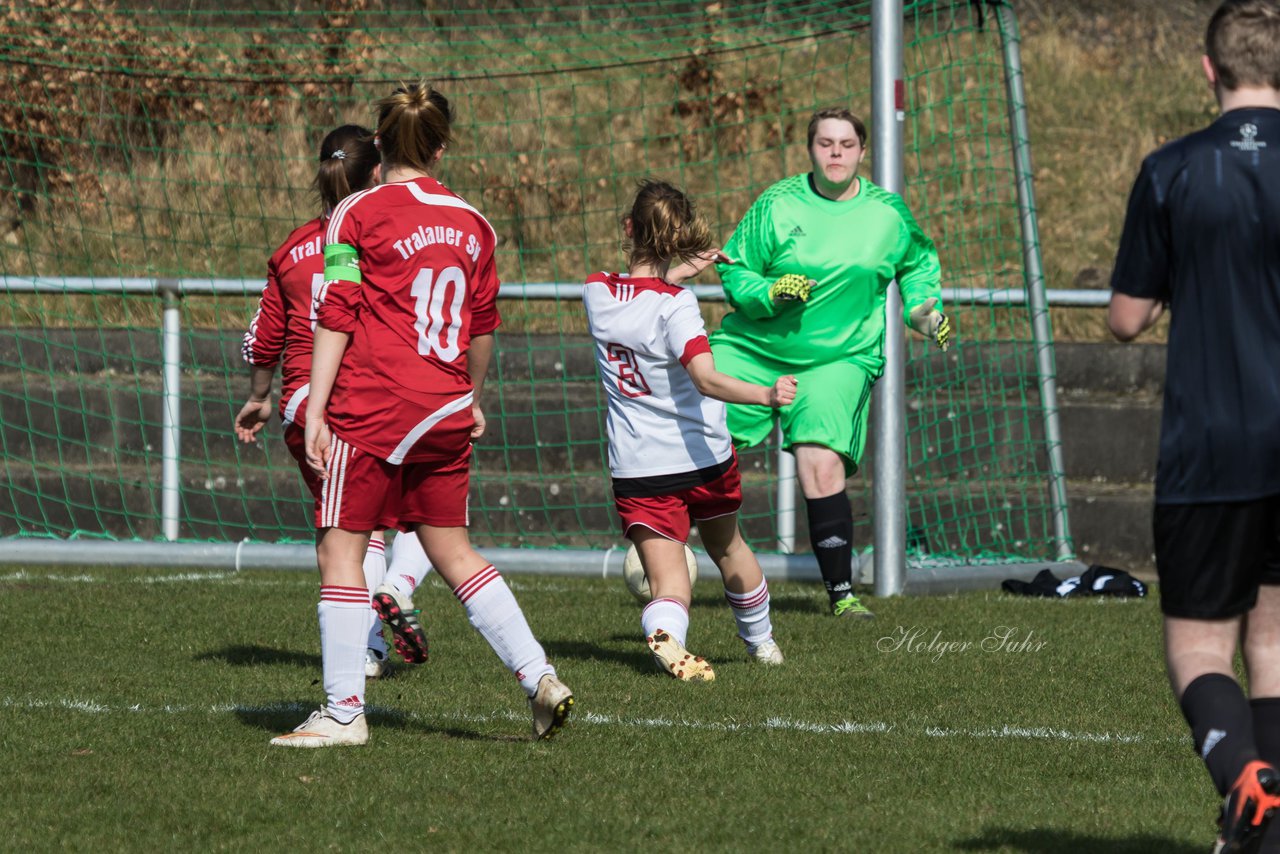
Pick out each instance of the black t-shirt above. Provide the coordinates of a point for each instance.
(1203, 233)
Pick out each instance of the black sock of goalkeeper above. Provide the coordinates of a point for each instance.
(1221, 726)
(831, 535)
(1266, 728)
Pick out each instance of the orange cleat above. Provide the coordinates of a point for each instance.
(1248, 809)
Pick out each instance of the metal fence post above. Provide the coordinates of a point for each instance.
(888, 97)
(786, 509)
(1037, 299)
(171, 417)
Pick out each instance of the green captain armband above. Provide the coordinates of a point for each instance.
(341, 263)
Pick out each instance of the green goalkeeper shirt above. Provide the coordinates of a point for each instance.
(852, 249)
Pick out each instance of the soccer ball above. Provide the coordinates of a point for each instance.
(638, 583)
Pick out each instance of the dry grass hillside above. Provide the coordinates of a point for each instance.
(180, 176)
(1107, 82)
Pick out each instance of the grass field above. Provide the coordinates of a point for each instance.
(136, 706)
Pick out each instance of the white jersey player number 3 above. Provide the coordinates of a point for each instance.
(630, 381)
(429, 295)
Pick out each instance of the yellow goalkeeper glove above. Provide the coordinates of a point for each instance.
(792, 286)
(931, 323)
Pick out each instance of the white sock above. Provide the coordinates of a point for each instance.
(344, 625)
(751, 613)
(375, 568)
(409, 564)
(670, 615)
(495, 614)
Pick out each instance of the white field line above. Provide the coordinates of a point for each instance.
(1050, 733)
(167, 578)
(773, 724)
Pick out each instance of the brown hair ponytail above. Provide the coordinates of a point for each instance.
(413, 126)
(347, 160)
(665, 225)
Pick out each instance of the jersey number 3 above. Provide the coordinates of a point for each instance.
(630, 380)
(437, 302)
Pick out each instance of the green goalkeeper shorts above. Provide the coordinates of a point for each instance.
(830, 408)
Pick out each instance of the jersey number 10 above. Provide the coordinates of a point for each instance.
(437, 302)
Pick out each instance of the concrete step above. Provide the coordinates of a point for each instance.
(521, 356)
(1111, 524)
(95, 411)
(1109, 438)
(1121, 369)
(113, 418)
(560, 427)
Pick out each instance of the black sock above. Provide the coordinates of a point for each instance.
(1221, 726)
(831, 535)
(1266, 728)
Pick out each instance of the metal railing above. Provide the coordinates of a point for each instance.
(172, 290)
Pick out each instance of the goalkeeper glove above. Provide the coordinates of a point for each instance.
(790, 287)
(931, 323)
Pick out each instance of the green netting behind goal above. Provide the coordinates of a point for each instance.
(174, 148)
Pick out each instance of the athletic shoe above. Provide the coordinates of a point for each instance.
(1248, 808)
(397, 612)
(766, 652)
(674, 659)
(376, 664)
(322, 730)
(551, 705)
(849, 606)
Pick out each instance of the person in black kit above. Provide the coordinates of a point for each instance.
(1202, 238)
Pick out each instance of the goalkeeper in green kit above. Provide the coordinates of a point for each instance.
(811, 263)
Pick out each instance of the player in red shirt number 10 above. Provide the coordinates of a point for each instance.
(281, 334)
(404, 335)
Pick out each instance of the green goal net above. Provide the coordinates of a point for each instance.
(152, 159)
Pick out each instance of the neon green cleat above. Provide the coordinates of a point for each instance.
(850, 606)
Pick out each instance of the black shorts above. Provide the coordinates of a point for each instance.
(1211, 558)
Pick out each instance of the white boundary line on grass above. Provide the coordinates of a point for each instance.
(773, 724)
(168, 578)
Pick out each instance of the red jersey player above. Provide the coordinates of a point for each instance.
(403, 340)
(669, 449)
(283, 326)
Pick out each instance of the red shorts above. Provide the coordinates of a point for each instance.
(295, 440)
(671, 515)
(364, 493)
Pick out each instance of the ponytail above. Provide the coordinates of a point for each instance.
(665, 226)
(347, 160)
(413, 126)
